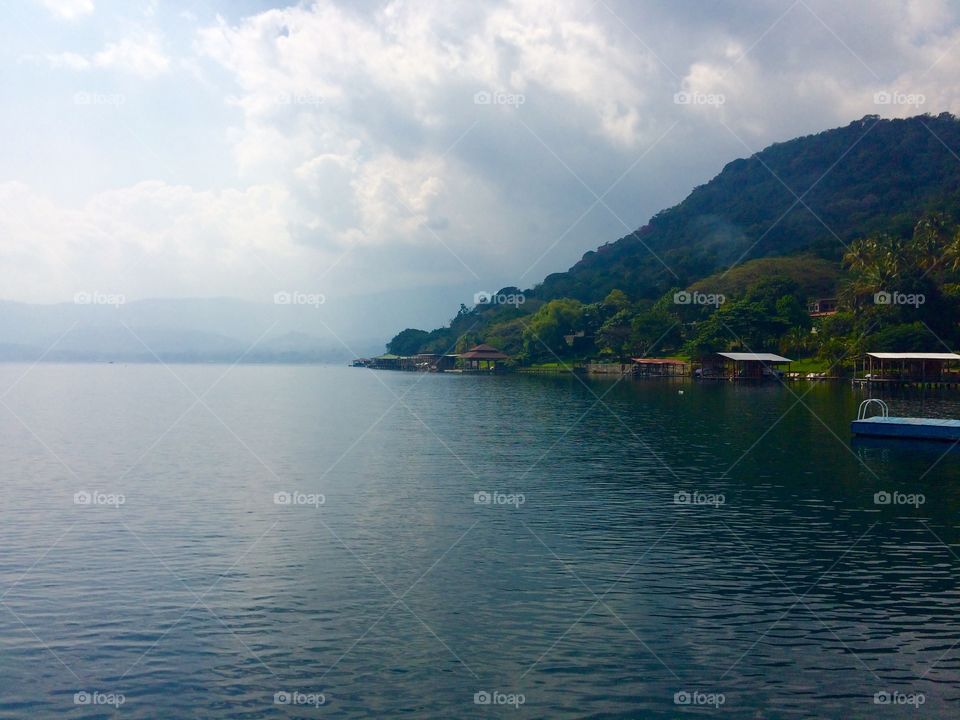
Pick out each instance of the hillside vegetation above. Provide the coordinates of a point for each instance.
(866, 213)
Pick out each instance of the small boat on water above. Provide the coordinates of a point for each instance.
(912, 428)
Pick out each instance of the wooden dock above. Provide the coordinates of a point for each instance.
(904, 383)
(908, 428)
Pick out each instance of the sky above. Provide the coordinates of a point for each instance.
(407, 149)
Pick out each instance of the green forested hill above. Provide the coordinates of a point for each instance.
(850, 212)
(869, 176)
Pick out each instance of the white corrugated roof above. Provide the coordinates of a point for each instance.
(914, 356)
(759, 357)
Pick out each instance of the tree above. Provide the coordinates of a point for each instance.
(797, 342)
(839, 339)
(792, 313)
(767, 291)
(912, 337)
(407, 342)
(654, 330)
(951, 251)
(543, 335)
(507, 336)
(617, 300)
(614, 335)
(709, 336)
(884, 263)
(749, 325)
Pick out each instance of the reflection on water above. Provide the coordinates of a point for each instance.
(549, 546)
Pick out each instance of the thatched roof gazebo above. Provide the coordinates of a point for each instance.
(483, 357)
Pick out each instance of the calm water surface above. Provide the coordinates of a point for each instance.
(719, 545)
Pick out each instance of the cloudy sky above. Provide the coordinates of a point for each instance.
(237, 148)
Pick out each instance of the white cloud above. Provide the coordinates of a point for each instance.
(68, 9)
(356, 130)
(151, 239)
(68, 60)
(379, 157)
(141, 54)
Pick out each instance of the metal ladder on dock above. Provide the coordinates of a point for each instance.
(866, 404)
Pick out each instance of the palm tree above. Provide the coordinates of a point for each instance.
(951, 252)
(885, 262)
(930, 236)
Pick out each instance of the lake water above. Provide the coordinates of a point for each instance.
(561, 548)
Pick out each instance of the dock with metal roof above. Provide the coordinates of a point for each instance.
(743, 366)
(908, 368)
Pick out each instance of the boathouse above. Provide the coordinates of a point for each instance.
(908, 368)
(744, 365)
(389, 361)
(660, 367)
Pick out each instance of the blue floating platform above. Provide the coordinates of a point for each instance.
(907, 427)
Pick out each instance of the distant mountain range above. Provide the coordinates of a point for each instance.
(190, 330)
(215, 329)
